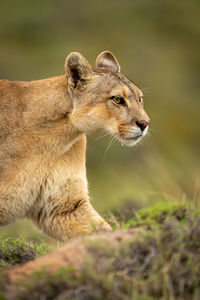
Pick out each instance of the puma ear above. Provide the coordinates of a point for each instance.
(77, 69)
(107, 60)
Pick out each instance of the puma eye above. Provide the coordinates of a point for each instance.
(119, 100)
(141, 100)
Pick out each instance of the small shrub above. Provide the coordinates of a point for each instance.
(15, 251)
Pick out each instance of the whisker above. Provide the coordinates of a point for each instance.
(147, 88)
(148, 134)
(110, 143)
(101, 136)
(152, 131)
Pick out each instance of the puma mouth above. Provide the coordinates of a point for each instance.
(133, 137)
(130, 141)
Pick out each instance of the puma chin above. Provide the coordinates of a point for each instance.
(133, 137)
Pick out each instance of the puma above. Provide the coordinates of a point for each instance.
(43, 127)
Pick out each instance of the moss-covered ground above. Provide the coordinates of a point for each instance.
(14, 251)
(161, 262)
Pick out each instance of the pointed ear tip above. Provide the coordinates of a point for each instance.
(109, 57)
(73, 54)
(105, 52)
(76, 60)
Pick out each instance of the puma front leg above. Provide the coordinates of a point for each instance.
(80, 220)
(64, 217)
(64, 210)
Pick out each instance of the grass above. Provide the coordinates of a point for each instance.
(162, 262)
(129, 216)
(159, 213)
(15, 251)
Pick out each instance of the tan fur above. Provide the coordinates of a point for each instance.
(42, 142)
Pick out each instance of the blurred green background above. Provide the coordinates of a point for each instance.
(158, 46)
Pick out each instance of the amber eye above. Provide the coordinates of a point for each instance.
(119, 100)
(141, 100)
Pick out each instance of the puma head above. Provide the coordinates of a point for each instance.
(104, 99)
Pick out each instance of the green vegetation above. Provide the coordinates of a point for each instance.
(15, 251)
(159, 213)
(161, 262)
(129, 217)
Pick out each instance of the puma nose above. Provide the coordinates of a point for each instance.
(142, 124)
